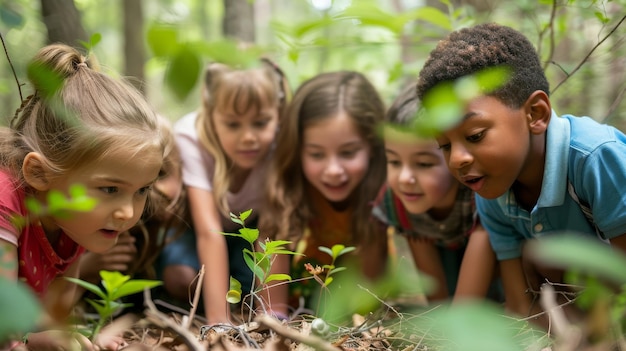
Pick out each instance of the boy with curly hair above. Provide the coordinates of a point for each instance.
(520, 157)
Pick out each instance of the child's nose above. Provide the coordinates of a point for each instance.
(334, 167)
(125, 211)
(406, 176)
(459, 157)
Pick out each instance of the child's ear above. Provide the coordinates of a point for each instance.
(539, 111)
(35, 171)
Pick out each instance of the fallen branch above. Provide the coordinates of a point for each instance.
(283, 330)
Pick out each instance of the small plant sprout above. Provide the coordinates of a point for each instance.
(334, 252)
(259, 262)
(115, 285)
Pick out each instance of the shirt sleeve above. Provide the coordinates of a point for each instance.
(505, 240)
(602, 184)
(10, 206)
(198, 165)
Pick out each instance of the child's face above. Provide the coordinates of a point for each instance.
(120, 182)
(490, 148)
(334, 156)
(417, 172)
(247, 138)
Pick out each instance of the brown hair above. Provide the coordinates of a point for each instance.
(240, 90)
(287, 212)
(76, 115)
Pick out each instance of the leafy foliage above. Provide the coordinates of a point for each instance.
(115, 286)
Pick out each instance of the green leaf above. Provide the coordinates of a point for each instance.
(476, 326)
(328, 281)
(581, 253)
(133, 287)
(339, 250)
(249, 234)
(33, 206)
(183, 71)
(102, 307)
(336, 270)
(113, 280)
(326, 250)
(244, 215)
(20, 308)
(162, 40)
(89, 287)
(45, 79)
(250, 262)
(277, 277)
(233, 296)
(431, 15)
(234, 284)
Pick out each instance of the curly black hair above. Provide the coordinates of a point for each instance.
(470, 50)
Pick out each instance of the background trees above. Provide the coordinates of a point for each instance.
(163, 44)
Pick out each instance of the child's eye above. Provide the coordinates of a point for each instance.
(445, 147)
(144, 190)
(348, 153)
(316, 155)
(109, 189)
(231, 125)
(423, 165)
(476, 137)
(394, 163)
(261, 123)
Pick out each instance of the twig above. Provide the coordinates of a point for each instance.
(309, 340)
(381, 301)
(563, 329)
(6, 52)
(196, 297)
(589, 54)
(161, 319)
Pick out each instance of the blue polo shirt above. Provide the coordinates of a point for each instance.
(590, 155)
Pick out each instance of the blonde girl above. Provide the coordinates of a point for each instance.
(225, 148)
(325, 176)
(83, 128)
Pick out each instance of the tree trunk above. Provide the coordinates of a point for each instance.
(62, 20)
(238, 20)
(134, 52)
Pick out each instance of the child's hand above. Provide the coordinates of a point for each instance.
(107, 342)
(117, 258)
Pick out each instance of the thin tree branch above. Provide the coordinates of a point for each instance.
(589, 54)
(550, 26)
(6, 52)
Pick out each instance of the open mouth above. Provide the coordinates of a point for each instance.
(109, 233)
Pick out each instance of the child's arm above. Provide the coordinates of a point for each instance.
(8, 260)
(212, 253)
(619, 242)
(477, 268)
(518, 301)
(61, 295)
(276, 295)
(428, 261)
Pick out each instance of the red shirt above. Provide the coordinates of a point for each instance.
(40, 262)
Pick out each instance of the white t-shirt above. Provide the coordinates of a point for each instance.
(199, 166)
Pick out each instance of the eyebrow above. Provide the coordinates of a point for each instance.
(121, 181)
(420, 153)
(352, 143)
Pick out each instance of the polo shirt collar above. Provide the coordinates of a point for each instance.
(553, 187)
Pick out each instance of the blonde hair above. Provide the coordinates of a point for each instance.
(226, 88)
(76, 115)
(288, 212)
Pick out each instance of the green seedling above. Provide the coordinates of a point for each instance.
(335, 252)
(115, 286)
(259, 262)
